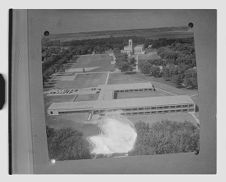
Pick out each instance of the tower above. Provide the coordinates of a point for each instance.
(131, 44)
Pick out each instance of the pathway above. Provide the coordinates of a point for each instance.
(106, 81)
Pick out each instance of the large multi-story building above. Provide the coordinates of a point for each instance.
(150, 105)
(106, 102)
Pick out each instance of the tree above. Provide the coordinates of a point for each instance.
(145, 67)
(155, 71)
(67, 144)
(125, 66)
(166, 73)
(132, 61)
(178, 80)
(166, 137)
(190, 80)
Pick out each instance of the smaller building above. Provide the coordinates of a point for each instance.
(139, 49)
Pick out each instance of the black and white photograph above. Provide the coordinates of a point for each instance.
(112, 91)
(119, 93)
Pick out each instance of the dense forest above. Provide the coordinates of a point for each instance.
(55, 63)
(177, 62)
(166, 137)
(67, 144)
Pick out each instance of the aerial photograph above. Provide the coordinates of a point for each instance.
(120, 93)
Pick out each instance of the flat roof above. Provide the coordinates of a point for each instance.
(122, 103)
(127, 86)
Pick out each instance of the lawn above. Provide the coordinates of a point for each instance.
(102, 61)
(83, 81)
(161, 81)
(62, 98)
(119, 78)
(87, 97)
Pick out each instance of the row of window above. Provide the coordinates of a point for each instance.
(132, 90)
(133, 113)
(158, 109)
(66, 112)
(150, 108)
(156, 112)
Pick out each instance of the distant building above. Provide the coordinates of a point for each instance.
(128, 49)
(139, 49)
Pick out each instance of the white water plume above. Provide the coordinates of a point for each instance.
(117, 135)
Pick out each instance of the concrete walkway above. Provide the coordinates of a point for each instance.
(170, 93)
(106, 81)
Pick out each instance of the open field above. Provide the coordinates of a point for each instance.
(83, 81)
(87, 97)
(120, 78)
(91, 63)
(170, 83)
(62, 98)
(100, 62)
(138, 94)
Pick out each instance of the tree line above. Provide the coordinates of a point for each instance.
(100, 45)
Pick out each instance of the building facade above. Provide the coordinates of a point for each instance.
(106, 103)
